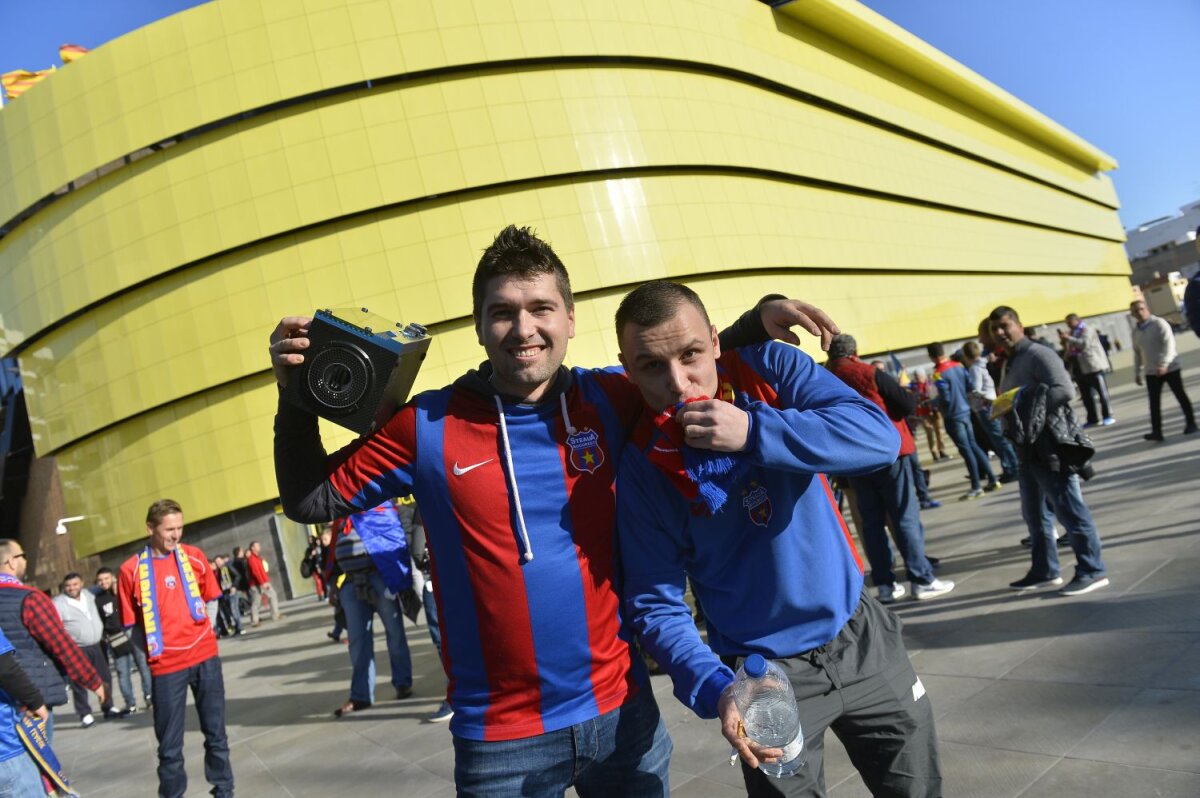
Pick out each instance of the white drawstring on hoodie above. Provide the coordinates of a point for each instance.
(512, 475)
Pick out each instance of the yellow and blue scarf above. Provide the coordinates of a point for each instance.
(32, 732)
(150, 615)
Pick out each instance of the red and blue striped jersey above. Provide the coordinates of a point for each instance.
(529, 647)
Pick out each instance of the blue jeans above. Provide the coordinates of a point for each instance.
(1044, 491)
(959, 430)
(918, 477)
(170, 704)
(890, 494)
(125, 664)
(1000, 444)
(431, 616)
(361, 602)
(19, 778)
(622, 753)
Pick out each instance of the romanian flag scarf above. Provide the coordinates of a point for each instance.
(149, 598)
(697, 473)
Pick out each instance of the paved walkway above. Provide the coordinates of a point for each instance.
(1036, 695)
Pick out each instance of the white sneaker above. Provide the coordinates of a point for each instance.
(889, 593)
(938, 587)
(87, 721)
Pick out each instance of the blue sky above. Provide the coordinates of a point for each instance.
(1112, 71)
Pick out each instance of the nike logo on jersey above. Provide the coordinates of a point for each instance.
(458, 472)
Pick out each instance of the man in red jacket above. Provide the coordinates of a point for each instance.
(260, 585)
(163, 592)
(890, 493)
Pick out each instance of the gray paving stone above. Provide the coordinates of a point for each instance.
(1083, 778)
(1157, 728)
(1015, 715)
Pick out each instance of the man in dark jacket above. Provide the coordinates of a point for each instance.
(1028, 365)
(890, 493)
(125, 655)
(36, 631)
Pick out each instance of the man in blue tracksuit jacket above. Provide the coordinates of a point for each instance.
(730, 491)
(953, 390)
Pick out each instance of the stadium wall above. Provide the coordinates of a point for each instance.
(164, 200)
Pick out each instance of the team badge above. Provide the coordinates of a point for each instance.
(757, 504)
(198, 606)
(170, 582)
(586, 454)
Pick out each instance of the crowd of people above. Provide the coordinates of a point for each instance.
(566, 513)
(160, 616)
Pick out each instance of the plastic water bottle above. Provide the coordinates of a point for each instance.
(767, 704)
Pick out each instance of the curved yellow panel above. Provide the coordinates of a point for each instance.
(207, 325)
(217, 60)
(715, 141)
(304, 166)
(213, 453)
(870, 32)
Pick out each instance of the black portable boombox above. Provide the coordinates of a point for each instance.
(358, 369)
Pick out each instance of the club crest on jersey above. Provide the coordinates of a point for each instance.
(586, 454)
(757, 504)
(170, 582)
(198, 606)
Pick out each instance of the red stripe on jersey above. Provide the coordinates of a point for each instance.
(623, 395)
(741, 377)
(367, 458)
(591, 502)
(493, 567)
(841, 522)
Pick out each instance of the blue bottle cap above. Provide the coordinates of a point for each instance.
(755, 666)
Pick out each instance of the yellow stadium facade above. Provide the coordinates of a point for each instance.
(170, 196)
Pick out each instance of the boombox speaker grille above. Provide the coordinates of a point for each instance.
(339, 376)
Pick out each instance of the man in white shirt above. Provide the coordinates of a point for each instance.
(1154, 353)
(81, 617)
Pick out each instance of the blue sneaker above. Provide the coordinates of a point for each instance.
(443, 714)
(1108, 421)
(932, 504)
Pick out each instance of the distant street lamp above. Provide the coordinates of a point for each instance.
(61, 527)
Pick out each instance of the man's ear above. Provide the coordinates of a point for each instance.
(716, 340)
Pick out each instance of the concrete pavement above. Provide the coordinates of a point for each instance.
(1035, 694)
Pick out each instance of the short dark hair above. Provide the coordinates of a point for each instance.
(654, 303)
(936, 349)
(72, 575)
(1071, 316)
(103, 569)
(237, 550)
(519, 252)
(1002, 311)
(161, 509)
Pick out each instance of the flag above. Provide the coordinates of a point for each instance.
(18, 81)
(71, 52)
(897, 369)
